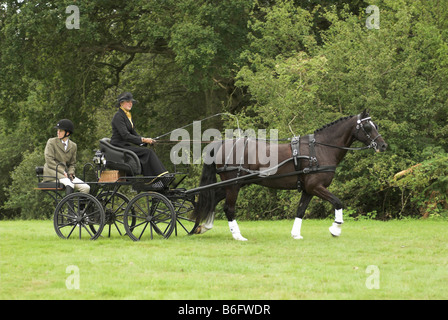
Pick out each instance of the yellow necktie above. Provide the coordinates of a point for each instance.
(128, 114)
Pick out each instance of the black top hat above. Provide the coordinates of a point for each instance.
(126, 96)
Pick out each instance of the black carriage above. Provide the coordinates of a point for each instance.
(159, 209)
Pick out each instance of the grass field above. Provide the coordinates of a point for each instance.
(371, 260)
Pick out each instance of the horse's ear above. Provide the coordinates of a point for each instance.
(365, 113)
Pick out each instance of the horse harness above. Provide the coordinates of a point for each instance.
(313, 163)
(313, 166)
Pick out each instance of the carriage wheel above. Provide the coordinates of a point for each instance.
(184, 224)
(114, 204)
(149, 215)
(79, 215)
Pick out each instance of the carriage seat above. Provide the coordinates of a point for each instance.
(48, 185)
(120, 159)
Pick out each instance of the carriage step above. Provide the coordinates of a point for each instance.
(50, 186)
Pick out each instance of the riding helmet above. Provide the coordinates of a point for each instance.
(65, 124)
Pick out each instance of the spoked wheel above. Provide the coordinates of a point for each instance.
(184, 224)
(149, 215)
(114, 204)
(79, 215)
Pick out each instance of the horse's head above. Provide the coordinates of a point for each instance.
(367, 132)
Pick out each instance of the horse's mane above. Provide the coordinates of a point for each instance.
(332, 123)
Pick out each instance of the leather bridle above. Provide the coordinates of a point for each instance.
(359, 126)
(373, 144)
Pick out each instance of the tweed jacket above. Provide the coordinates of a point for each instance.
(123, 133)
(55, 154)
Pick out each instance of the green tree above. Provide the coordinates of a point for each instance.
(398, 72)
(273, 63)
(49, 72)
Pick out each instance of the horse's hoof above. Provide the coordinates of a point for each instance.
(335, 230)
(197, 230)
(238, 236)
(201, 229)
(297, 237)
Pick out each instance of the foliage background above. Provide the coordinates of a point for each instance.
(268, 62)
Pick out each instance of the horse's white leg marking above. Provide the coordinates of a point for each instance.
(338, 216)
(208, 224)
(295, 232)
(335, 228)
(235, 230)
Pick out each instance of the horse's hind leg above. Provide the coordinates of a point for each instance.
(303, 204)
(220, 194)
(229, 209)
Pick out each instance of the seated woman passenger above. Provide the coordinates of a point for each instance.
(60, 159)
(125, 136)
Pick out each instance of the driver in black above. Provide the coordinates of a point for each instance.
(125, 136)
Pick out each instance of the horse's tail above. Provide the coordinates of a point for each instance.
(206, 204)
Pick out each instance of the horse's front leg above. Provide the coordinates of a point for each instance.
(323, 193)
(303, 204)
(229, 209)
(335, 228)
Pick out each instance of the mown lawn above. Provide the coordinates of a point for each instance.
(371, 260)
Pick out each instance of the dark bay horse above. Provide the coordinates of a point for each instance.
(312, 173)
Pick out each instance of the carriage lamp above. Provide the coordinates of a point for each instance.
(99, 159)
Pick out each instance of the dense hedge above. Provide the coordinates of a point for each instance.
(274, 64)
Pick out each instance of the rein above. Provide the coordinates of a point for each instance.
(207, 118)
(256, 175)
(359, 125)
(344, 148)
